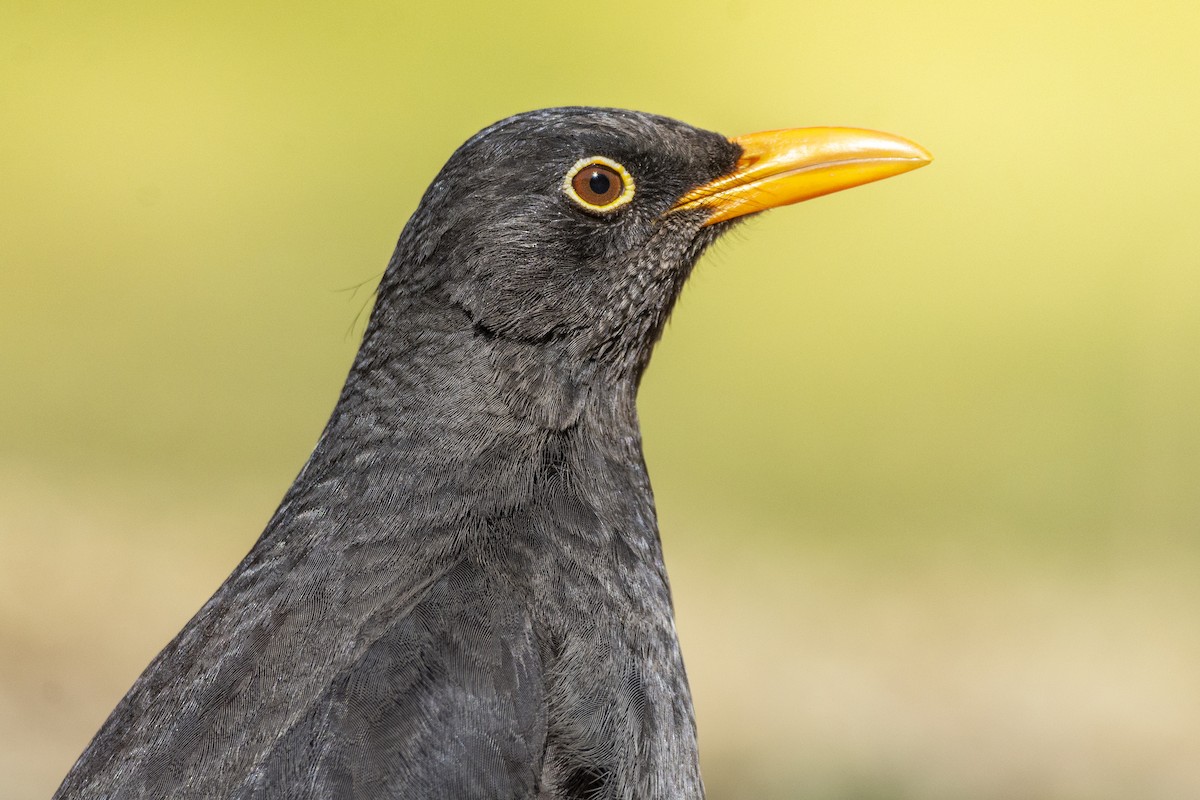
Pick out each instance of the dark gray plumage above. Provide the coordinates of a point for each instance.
(463, 593)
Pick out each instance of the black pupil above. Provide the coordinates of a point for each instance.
(599, 183)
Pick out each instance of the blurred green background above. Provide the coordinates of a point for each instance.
(926, 453)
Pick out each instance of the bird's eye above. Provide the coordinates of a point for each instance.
(598, 184)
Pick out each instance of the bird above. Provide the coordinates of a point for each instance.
(463, 593)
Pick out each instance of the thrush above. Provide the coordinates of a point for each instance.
(463, 593)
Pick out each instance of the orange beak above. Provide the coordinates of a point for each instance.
(778, 168)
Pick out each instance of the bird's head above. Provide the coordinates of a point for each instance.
(575, 228)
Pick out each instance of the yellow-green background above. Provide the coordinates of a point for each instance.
(927, 453)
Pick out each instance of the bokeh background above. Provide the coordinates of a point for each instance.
(927, 452)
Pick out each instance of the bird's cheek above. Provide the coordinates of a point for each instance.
(519, 307)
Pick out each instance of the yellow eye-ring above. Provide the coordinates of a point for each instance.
(599, 184)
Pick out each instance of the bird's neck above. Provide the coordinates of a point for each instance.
(435, 408)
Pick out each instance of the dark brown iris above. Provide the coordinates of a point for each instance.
(597, 184)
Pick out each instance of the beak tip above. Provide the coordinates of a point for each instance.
(918, 153)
